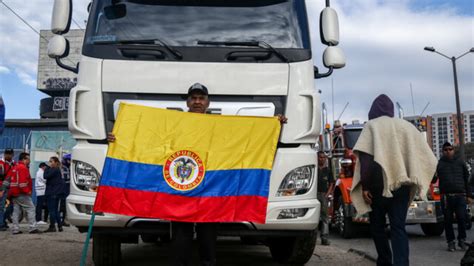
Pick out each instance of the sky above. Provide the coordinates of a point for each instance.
(382, 40)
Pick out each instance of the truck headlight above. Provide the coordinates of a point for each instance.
(86, 176)
(297, 182)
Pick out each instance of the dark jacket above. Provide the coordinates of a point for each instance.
(453, 176)
(371, 174)
(54, 181)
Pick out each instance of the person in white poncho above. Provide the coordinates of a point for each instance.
(394, 162)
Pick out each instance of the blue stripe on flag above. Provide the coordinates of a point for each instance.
(149, 177)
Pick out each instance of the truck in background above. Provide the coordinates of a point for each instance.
(254, 56)
(339, 143)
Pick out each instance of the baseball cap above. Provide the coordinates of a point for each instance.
(198, 87)
(447, 144)
(8, 151)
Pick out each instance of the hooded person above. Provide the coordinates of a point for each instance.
(394, 162)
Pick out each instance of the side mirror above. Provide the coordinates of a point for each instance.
(62, 14)
(115, 11)
(58, 47)
(329, 27)
(334, 57)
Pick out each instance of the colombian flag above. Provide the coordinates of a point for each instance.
(188, 167)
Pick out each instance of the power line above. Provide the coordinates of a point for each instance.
(28, 24)
(24, 21)
(77, 24)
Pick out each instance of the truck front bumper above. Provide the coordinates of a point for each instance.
(424, 212)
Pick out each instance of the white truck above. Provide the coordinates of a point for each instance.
(255, 58)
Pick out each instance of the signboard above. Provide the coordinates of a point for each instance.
(60, 103)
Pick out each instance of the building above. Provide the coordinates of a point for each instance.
(444, 128)
(55, 81)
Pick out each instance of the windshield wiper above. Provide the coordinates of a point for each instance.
(175, 52)
(260, 44)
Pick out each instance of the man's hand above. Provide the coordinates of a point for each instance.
(110, 137)
(1, 193)
(470, 200)
(283, 119)
(367, 197)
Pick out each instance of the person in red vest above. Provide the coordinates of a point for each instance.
(6, 165)
(21, 187)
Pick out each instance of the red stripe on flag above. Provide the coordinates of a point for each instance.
(181, 208)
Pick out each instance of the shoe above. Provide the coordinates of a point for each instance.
(50, 230)
(41, 223)
(325, 242)
(60, 228)
(65, 224)
(2, 229)
(17, 232)
(451, 246)
(36, 231)
(462, 245)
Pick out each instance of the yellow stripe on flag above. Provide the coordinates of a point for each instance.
(150, 135)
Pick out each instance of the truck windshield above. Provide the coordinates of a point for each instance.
(351, 137)
(280, 23)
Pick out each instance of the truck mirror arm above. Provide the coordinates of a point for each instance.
(70, 68)
(318, 75)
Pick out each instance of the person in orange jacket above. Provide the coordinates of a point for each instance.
(21, 187)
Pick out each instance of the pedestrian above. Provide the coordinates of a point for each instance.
(183, 232)
(53, 193)
(6, 164)
(40, 186)
(325, 189)
(394, 161)
(453, 184)
(65, 173)
(21, 188)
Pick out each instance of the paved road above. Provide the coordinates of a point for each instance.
(423, 250)
(65, 248)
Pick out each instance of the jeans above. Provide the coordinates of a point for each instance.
(396, 208)
(323, 217)
(53, 208)
(454, 204)
(183, 238)
(23, 202)
(40, 201)
(3, 199)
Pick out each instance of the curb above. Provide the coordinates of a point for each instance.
(362, 254)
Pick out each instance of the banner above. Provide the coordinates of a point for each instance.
(188, 167)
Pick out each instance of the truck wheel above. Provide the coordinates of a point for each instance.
(293, 250)
(149, 238)
(106, 250)
(432, 229)
(343, 224)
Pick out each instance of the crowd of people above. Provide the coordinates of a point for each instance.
(39, 199)
(383, 186)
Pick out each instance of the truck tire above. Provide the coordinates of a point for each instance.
(106, 250)
(434, 229)
(293, 250)
(343, 224)
(149, 238)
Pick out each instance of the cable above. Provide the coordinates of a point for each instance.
(28, 24)
(77, 24)
(24, 21)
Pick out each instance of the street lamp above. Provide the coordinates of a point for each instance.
(458, 106)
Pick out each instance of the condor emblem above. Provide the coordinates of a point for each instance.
(184, 170)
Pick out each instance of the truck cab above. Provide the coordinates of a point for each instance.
(254, 57)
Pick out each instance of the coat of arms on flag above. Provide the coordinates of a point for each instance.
(188, 167)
